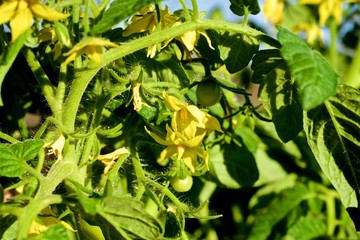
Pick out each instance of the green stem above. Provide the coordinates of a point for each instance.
(162, 85)
(195, 10)
(35, 173)
(333, 53)
(169, 194)
(61, 88)
(185, 9)
(43, 80)
(352, 74)
(94, 9)
(76, 30)
(246, 16)
(82, 78)
(8, 138)
(86, 17)
(32, 210)
(139, 173)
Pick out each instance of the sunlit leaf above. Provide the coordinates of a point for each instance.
(118, 11)
(333, 131)
(128, 217)
(278, 93)
(313, 75)
(28, 149)
(307, 228)
(13, 157)
(10, 164)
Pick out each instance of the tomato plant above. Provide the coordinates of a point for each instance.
(130, 119)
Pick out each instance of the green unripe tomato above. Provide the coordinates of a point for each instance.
(182, 185)
(208, 93)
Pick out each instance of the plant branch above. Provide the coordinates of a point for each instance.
(82, 78)
(43, 80)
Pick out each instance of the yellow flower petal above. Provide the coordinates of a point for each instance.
(273, 10)
(157, 138)
(113, 155)
(109, 159)
(70, 58)
(42, 11)
(20, 23)
(196, 141)
(211, 123)
(7, 10)
(147, 23)
(189, 39)
(93, 47)
(172, 102)
(57, 147)
(151, 51)
(167, 153)
(197, 114)
(94, 52)
(190, 160)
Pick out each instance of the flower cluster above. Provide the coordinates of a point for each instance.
(147, 21)
(189, 126)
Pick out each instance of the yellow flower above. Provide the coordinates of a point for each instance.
(109, 159)
(57, 147)
(147, 20)
(273, 10)
(186, 149)
(44, 221)
(328, 8)
(189, 119)
(20, 13)
(47, 34)
(92, 47)
(313, 32)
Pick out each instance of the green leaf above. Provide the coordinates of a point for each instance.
(241, 7)
(8, 57)
(313, 75)
(118, 11)
(90, 231)
(129, 218)
(333, 131)
(307, 228)
(10, 164)
(88, 203)
(13, 157)
(278, 93)
(237, 50)
(233, 166)
(28, 149)
(278, 208)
